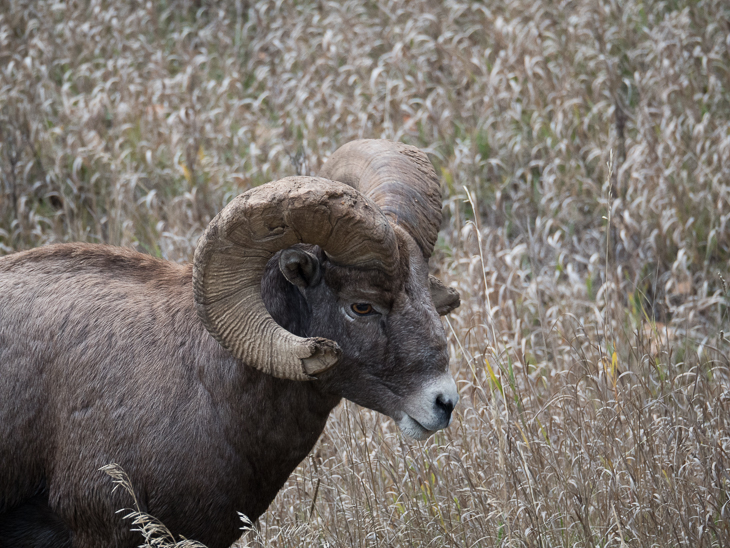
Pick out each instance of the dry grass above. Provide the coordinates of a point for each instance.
(592, 357)
(154, 532)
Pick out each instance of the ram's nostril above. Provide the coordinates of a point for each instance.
(445, 403)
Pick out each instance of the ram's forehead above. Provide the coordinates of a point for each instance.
(347, 280)
(412, 269)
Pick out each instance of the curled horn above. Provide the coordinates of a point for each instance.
(399, 178)
(232, 254)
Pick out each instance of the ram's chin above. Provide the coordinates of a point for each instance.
(412, 428)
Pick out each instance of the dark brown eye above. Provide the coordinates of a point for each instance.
(362, 309)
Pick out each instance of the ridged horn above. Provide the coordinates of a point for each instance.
(399, 178)
(232, 254)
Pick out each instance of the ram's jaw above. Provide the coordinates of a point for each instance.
(412, 428)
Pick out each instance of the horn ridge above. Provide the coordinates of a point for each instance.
(399, 178)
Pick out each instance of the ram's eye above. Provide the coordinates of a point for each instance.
(362, 309)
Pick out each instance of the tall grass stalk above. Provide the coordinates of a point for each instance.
(591, 354)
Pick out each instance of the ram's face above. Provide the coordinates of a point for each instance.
(394, 356)
(355, 308)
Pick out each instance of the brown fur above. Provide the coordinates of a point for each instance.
(104, 359)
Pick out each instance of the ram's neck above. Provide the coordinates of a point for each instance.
(270, 424)
(274, 429)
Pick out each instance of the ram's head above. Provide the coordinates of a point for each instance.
(354, 247)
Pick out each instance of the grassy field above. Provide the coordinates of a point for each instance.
(584, 149)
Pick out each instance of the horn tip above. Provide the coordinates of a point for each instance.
(324, 355)
(453, 302)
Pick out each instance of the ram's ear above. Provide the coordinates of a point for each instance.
(445, 299)
(299, 267)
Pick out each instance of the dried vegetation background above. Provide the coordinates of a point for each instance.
(591, 347)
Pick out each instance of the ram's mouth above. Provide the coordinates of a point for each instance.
(412, 428)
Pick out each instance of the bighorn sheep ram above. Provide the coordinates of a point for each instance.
(209, 383)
